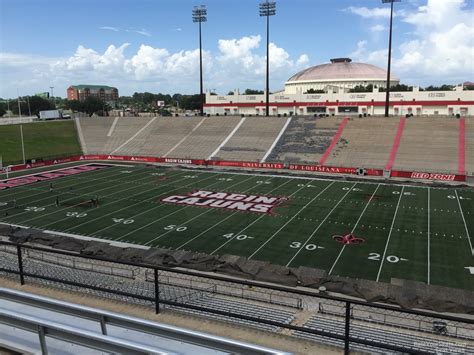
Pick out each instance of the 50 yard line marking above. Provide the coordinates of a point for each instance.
(292, 218)
(389, 234)
(354, 228)
(465, 225)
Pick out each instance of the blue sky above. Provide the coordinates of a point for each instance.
(150, 45)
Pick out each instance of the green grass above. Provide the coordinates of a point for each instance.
(42, 140)
(428, 242)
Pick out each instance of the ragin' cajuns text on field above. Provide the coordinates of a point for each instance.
(229, 201)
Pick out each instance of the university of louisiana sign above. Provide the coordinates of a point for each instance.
(228, 201)
(323, 169)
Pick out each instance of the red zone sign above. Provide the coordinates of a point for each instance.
(49, 175)
(228, 201)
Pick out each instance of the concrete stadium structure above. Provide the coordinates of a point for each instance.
(336, 80)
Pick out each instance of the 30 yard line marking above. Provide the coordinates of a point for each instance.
(429, 236)
(354, 228)
(292, 218)
(317, 228)
(465, 225)
(389, 234)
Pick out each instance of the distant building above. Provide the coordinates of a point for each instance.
(107, 94)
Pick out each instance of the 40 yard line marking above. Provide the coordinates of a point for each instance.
(292, 218)
(465, 225)
(354, 228)
(389, 234)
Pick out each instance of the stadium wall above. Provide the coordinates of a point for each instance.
(413, 175)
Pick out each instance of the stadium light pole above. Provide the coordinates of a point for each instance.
(387, 89)
(200, 16)
(267, 9)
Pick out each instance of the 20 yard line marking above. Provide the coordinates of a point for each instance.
(317, 228)
(429, 222)
(465, 225)
(292, 218)
(389, 234)
(354, 228)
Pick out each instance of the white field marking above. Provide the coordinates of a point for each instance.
(51, 204)
(52, 171)
(292, 218)
(137, 203)
(199, 215)
(354, 228)
(251, 224)
(208, 210)
(111, 130)
(225, 219)
(429, 222)
(156, 220)
(317, 228)
(389, 234)
(224, 142)
(185, 137)
(134, 136)
(283, 129)
(74, 183)
(81, 135)
(465, 225)
(66, 208)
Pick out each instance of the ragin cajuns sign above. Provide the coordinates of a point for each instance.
(49, 175)
(228, 201)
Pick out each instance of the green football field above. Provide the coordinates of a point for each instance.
(357, 229)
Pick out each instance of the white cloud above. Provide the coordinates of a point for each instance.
(376, 12)
(143, 32)
(441, 49)
(115, 29)
(377, 28)
(238, 62)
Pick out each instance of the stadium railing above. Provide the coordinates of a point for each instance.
(150, 283)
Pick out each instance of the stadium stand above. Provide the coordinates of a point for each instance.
(94, 131)
(205, 138)
(364, 143)
(305, 140)
(252, 140)
(430, 144)
(124, 132)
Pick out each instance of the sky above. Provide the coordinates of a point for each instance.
(152, 45)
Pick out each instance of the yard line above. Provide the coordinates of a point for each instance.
(75, 183)
(465, 225)
(225, 219)
(429, 236)
(292, 218)
(389, 234)
(199, 215)
(66, 208)
(156, 220)
(137, 203)
(353, 229)
(317, 228)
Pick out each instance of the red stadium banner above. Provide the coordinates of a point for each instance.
(427, 176)
(323, 169)
(246, 164)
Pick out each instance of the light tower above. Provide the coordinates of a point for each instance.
(267, 9)
(387, 90)
(200, 15)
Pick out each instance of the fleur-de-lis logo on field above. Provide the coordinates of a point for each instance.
(348, 239)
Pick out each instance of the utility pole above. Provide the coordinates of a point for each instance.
(267, 9)
(199, 15)
(387, 90)
(52, 96)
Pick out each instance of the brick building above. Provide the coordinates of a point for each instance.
(107, 94)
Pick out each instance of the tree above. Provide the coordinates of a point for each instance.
(38, 104)
(230, 93)
(314, 91)
(253, 92)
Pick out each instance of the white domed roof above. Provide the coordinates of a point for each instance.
(341, 69)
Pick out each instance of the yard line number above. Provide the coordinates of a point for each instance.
(76, 214)
(237, 237)
(391, 258)
(123, 220)
(175, 227)
(34, 209)
(310, 247)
